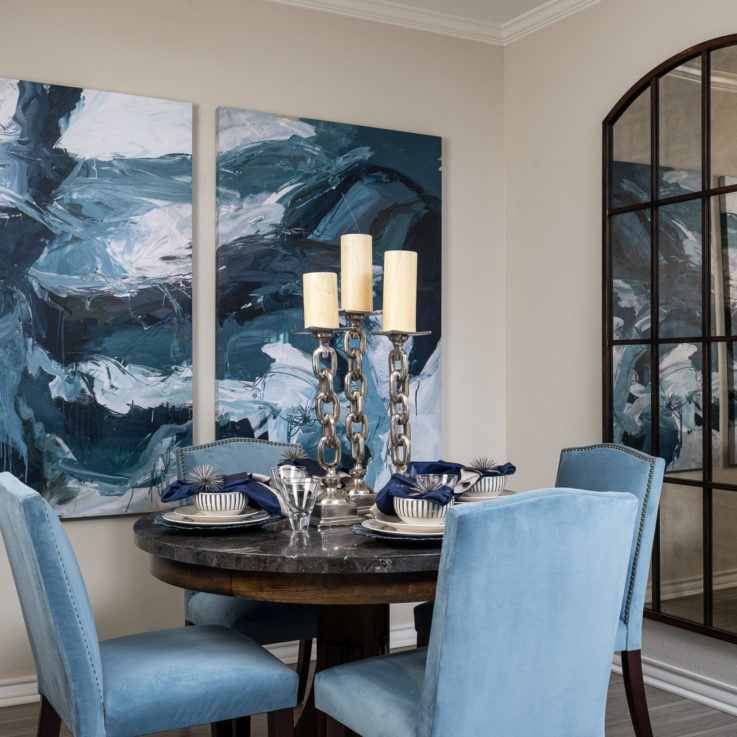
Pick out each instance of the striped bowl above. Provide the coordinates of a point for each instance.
(488, 485)
(419, 511)
(221, 502)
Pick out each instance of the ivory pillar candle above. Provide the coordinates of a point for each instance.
(356, 275)
(400, 291)
(320, 290)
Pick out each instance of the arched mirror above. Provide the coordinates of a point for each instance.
(670, 319)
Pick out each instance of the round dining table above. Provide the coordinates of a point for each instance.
(351, 578)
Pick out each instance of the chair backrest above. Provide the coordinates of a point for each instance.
(611, 467)
(525, 615)
(233, 455)
(227, 456)
(55, 607)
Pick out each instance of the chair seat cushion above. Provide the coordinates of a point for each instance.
(170, 679)
(386, 694)
(265, 622)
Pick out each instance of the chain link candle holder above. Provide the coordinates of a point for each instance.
(333, 508)
(354, 344)
(400, 432)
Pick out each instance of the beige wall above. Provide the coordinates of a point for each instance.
(260, 56)
(559, 85)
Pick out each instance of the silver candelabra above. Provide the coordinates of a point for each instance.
(355, 384)
(400, 432)
(333, 508)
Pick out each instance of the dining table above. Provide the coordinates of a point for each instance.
(350, 577)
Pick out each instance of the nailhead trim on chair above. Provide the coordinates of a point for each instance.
(182, 451)
(651, 461)
(69, 589)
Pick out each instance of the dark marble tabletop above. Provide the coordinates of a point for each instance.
(269, 549)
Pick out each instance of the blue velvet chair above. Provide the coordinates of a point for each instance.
(526, 615)
(132, 685)
(610, 467)
(265, 622)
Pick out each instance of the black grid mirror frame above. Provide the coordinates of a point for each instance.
(670, 319)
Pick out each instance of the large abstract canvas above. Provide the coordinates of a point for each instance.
(288, 188)
(95, 293)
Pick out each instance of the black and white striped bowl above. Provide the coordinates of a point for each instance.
(220, 503)
(419, 511)
(488, 485)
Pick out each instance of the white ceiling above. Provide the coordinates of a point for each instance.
(490, 21)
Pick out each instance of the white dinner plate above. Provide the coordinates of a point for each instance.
(399, 524)
(466, 497)
(191, 512)
(376, 526)
(178, 519)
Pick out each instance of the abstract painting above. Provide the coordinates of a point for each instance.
(95, 294)
(287, 189)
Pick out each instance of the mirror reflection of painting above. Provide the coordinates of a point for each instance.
(674, 360)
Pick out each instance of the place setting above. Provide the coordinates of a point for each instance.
(243, 500)
(219, 502)
(413, 506)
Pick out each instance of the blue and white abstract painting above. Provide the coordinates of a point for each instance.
(288, 188)
(95, 294)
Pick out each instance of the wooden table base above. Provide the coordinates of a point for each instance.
(344, 634)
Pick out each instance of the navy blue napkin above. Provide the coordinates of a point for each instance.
(404, 486)
(259, 494)
(506, 470)
(313, 467)
(416, 467)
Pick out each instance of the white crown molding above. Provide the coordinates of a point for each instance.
(396, 14)
(544, 15)
(420, 19)
(721, 81)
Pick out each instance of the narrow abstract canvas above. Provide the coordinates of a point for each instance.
(288, 188)
(95, 294)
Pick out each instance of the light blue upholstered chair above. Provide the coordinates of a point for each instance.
(265, 622)
(521, 643)
(132, 685)
(611, 467)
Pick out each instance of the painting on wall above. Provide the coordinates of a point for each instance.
(95, 294)
(287, 189)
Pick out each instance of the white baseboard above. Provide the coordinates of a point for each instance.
(20, 691)
(24, 690)
(398, 637)
(716, 694)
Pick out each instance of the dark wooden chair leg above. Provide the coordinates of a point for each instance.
(222, 729)
(634, 687)
(422, 640)
(242, 727)
(281, 723)
(333, 728)
(303, 667)
(49, 722)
